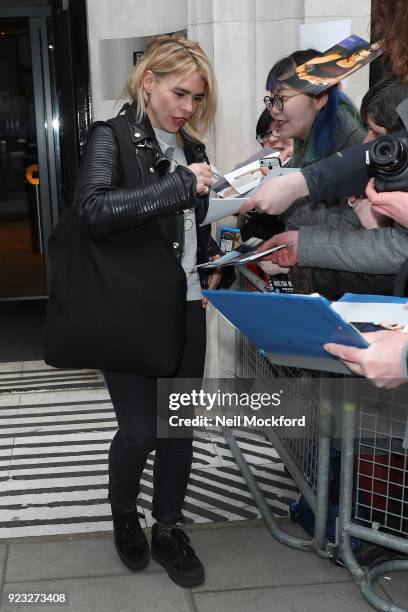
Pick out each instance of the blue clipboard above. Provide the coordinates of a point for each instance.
(286, 324)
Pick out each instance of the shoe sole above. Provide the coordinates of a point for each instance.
(135, 567)
(178, 577)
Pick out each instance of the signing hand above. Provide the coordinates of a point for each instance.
(277, 194)
(287, 257)
(381, 362)
(204, 177)
(392, 204)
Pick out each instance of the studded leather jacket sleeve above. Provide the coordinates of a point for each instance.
(106, 208)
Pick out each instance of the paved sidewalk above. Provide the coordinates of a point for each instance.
(54, 460)
(245, 569)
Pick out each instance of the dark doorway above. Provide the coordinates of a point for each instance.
(22, 265)
(45, 111)
(44, 116)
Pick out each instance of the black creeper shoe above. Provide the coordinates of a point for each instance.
(130, 540)
(171, 549)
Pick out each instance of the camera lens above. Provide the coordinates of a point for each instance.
(388, 155)
(385, 151)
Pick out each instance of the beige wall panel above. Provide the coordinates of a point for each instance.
(279, 9)
(128, 18)
(333, 8)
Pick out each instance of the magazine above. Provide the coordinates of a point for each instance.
(332, 66)
(245, 253)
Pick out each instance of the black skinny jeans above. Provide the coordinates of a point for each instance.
(134, 400)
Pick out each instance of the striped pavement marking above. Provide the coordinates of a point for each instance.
(20, 377)
(53, 461)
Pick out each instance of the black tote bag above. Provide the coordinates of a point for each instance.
(116, 303)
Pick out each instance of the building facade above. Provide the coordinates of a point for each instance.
(243, 39)
(64, 64)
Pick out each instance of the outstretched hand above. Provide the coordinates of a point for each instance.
(277, 194)
(286, 257)
(381, 362)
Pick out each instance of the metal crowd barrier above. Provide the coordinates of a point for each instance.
(374, 465)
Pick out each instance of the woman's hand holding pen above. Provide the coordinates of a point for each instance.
(204, 177)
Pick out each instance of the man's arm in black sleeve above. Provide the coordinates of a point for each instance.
(340, 175)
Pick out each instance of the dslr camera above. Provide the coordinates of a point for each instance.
(388, 163)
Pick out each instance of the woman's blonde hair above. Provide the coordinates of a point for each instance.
(173, 53)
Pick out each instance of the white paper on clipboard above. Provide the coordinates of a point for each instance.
(370, 312)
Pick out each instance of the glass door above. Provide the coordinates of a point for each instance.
(28, 130)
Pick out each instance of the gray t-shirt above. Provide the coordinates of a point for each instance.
(170, 148)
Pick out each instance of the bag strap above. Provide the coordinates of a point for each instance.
(127, 151)
(87, 139)
(401, 279)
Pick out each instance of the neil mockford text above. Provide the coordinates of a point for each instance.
(239, 420)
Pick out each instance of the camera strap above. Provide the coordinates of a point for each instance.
(402, 110)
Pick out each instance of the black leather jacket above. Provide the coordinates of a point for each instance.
(122, 188)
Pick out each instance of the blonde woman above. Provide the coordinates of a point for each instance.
(148, 168)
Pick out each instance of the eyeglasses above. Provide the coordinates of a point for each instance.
(262, 138)
(278, 101)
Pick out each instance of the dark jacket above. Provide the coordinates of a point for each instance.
(125, 192)
(118, 189)
(359, 259)
(332, 213)
(339, 175)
